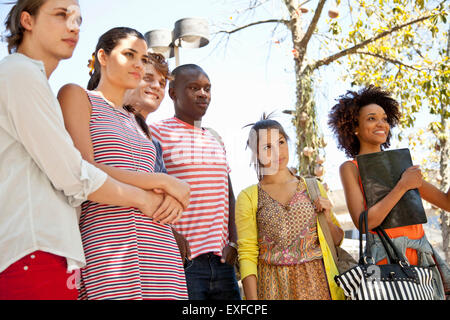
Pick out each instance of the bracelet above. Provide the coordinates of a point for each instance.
(233, 245)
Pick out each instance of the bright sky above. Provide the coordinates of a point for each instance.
(247, 78)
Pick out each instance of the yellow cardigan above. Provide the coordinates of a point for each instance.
(246, 207)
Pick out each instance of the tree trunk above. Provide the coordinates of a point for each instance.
(445, 174)
(304, 120)
(445, 185)
(306, 124)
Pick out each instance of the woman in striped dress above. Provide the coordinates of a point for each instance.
(128, 255)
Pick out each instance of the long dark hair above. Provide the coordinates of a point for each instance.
(140, 120)
(12, 22)
(108, 41)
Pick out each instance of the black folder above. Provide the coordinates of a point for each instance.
(380, 172)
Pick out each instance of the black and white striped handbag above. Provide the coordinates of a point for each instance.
(395, 281)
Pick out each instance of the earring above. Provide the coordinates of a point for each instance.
(356, 133)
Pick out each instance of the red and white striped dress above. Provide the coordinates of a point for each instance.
(197, 157)
(128, 255)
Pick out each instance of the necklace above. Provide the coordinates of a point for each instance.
(117, 114)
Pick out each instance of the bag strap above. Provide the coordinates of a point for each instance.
(314, 192)
(387, 242)
(363, 229)
(392, 259)
(395, 256)
(400, 258)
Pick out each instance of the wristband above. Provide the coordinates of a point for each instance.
(233, 245)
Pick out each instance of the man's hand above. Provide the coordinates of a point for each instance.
(229, 255)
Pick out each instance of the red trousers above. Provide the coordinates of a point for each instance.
(38, 276)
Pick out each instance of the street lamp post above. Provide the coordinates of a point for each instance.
(187, 33)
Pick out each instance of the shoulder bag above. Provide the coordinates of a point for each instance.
(342, 258)
(395, 281)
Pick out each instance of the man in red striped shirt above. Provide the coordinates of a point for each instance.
(197, 155)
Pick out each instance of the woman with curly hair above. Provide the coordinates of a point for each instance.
(362, 123)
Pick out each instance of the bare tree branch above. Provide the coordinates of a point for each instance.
(285, 22)
(353, 49)
(312, 26)
(252, 6)
(388, 59)
(448, 41)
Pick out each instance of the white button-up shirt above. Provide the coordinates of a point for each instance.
(42, 175)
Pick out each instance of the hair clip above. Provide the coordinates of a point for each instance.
(91, 64)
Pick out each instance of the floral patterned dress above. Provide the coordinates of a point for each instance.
(290, 265)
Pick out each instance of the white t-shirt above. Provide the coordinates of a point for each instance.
(42, 175)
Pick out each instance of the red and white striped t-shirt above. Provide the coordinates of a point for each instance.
(196, 156)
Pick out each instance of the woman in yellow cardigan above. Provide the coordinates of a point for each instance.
(283, 253)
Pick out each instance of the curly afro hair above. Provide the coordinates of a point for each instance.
(343, 117)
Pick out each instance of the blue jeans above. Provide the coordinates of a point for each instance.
(209, 279)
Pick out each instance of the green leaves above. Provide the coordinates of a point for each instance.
(411, 62)
(335, 29)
